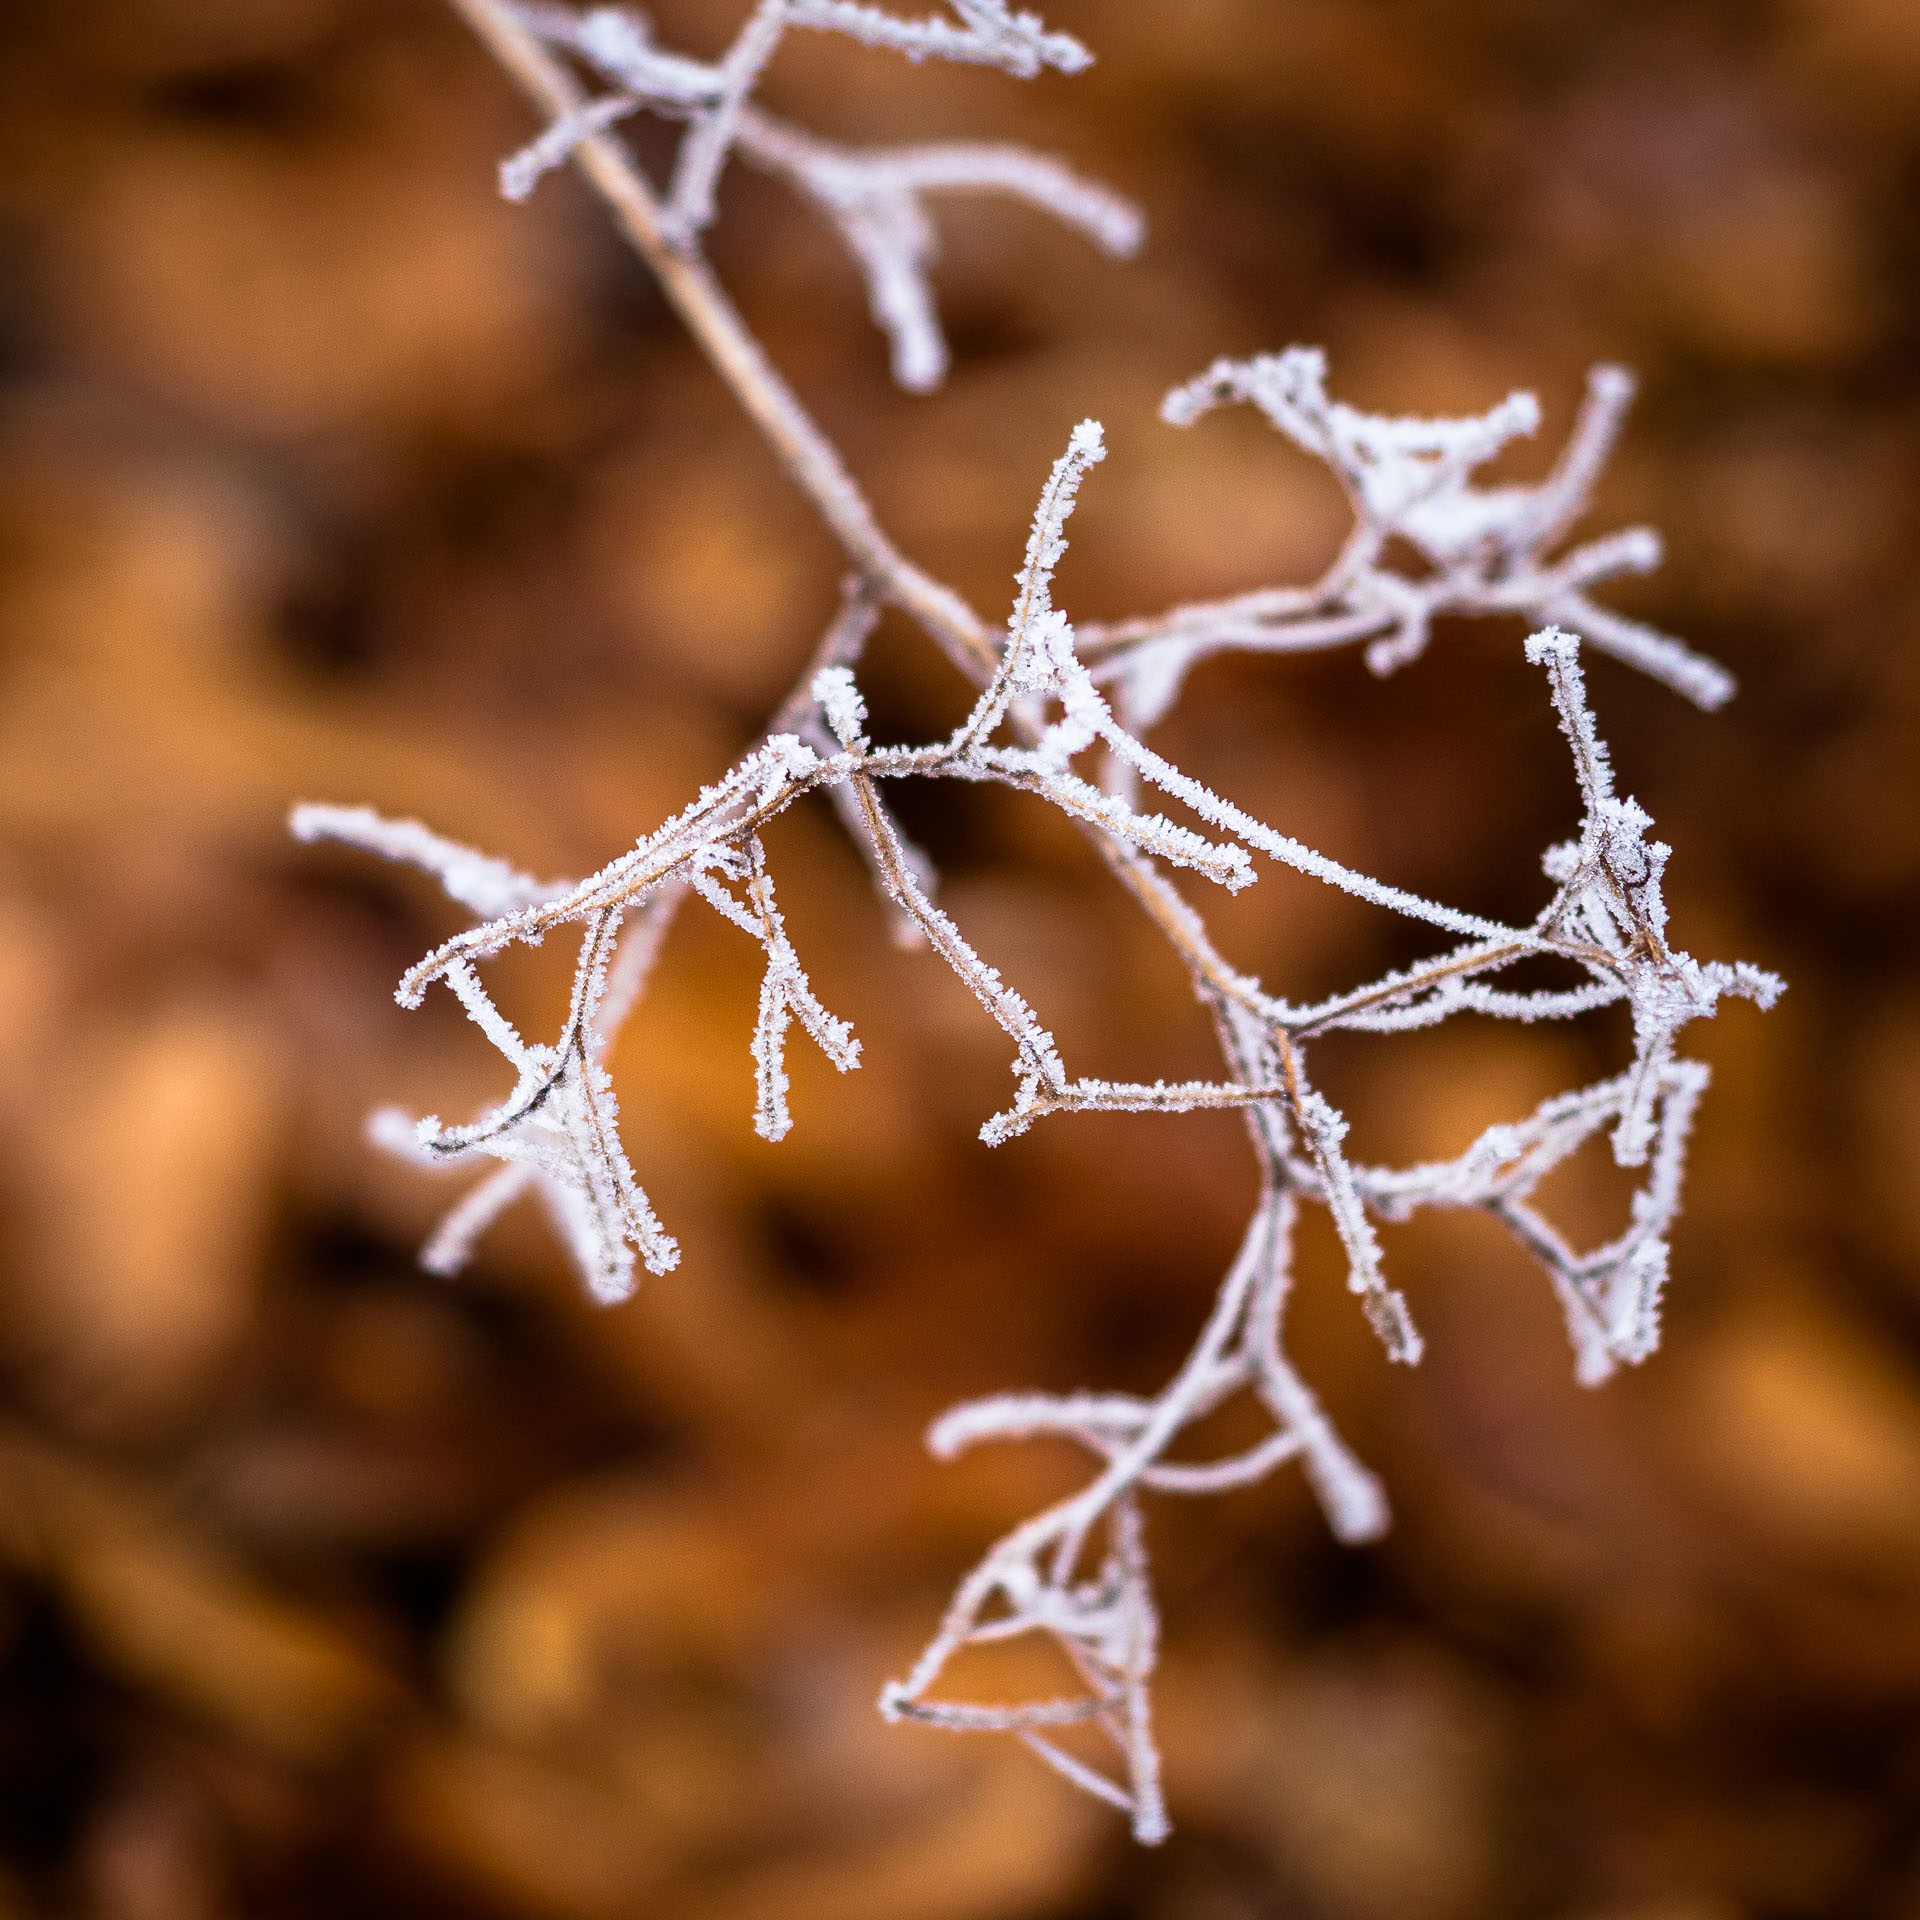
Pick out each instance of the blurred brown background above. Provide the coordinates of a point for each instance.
(329, 1589)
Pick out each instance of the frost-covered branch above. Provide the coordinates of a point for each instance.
(472, 879)
(874, 198)
(557, 1131)
(1611, 1294)
(982, 32)
(1046, 698)
(1481, 550)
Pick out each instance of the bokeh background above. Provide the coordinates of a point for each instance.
(327, 1588)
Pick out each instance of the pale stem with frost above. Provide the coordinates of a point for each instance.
(1077, 1575)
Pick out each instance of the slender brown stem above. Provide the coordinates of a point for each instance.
(715, 324)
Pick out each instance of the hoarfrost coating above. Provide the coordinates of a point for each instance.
(1078, 1574)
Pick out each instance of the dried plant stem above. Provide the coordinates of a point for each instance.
(809, 457)
(1479, 549)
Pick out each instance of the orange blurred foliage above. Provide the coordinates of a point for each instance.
(327, 1588)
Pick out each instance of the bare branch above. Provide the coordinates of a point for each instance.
(1076, 1575)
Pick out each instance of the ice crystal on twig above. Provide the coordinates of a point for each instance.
(1611, 1294)
(874, 198)
(487, 886)
(1031, 1583)
(784, 993)
(1484, 549)
(1610, 895)
(986, 34)
(521, 172)
(557, 1131)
